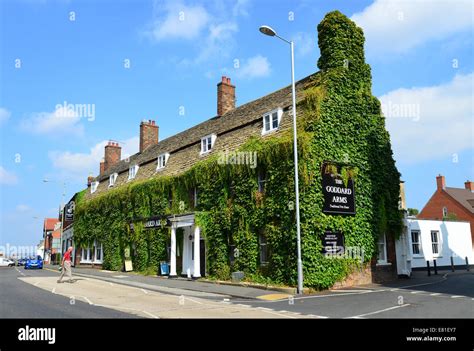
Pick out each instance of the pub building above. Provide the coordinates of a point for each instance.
(233, 126)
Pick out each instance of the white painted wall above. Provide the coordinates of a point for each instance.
(455, 241)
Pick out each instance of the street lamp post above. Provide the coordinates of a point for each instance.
(270, 32)
(62, 213)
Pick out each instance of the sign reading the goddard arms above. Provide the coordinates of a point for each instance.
(338, 191)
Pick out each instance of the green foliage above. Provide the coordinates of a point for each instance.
(412, 211)
(339, 120)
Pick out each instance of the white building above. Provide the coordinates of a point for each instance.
(428, 240)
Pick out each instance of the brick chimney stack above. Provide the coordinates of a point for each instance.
(113, 154)
(440, 183)
(148, 134)
(225, 96)
(102, 166)
(469, 185)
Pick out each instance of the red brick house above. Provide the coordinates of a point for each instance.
(52, 238)
(453, 203)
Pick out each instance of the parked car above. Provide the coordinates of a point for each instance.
(21, 262)
(5, 262)
(34, 263)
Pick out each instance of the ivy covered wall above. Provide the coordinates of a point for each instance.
(339, 120)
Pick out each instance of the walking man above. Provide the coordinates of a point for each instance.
(66, 264)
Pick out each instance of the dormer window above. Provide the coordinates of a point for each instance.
(132, 172)
(162, 161)
(271, 120)
(207, 143)
(94, 186)
(112, 179)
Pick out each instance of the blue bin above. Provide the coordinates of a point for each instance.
(165, 268)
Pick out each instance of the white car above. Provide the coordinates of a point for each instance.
(5, 262)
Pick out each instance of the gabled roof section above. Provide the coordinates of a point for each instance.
(464, 196)
(229, 122)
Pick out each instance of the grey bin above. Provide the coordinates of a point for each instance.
(237, 276)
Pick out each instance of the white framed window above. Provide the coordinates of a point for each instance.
(445, 211)
(132, 172)
(416, 243)
(382, 250)
(112, 179)
(162, 161)
(435, 243)
(93, 254)
(94, 186)
(271, 120)
(207, 143)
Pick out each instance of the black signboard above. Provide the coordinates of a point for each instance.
(333, 243)
(69, 211)
(338, 194)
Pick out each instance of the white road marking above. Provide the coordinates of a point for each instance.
(87, 300)
(435, 294)
(151, 315)
(53, 291)
(380, 311)
(146, 292)
(36, 284)
(351, 291)
(456, 296)
(415, 292)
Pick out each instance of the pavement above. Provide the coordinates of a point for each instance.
(20, 300)
(447, 295)
(176, 286)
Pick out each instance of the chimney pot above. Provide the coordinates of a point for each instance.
(225, 96)
(440, 182)
(468, 185)
(112, 155)
(148, 134)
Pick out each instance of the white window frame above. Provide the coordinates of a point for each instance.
(94, 186)
(133, 174)
(420, 250)
(445, 212)
(205, 147)
(437, 243)
(162, 161)
(279, 112)
(112, 179)
(382, 240)
(86, 255)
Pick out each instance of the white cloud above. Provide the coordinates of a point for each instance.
(23, 208)
(209, 30)
(394, 26)
(78, 165)
(255, 67)
(4, 115)
(61, 121)
(305, 43)
(175, 20)
(7, 178)
(441, 122)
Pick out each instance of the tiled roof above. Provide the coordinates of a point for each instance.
(49, 223)
(464, 196)
(233, 129)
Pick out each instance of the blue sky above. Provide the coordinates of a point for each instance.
(135, 60)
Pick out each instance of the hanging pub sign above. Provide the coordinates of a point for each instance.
(333, 243)
(338, 189)
(69, 211)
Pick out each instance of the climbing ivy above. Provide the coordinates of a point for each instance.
(339, 120)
